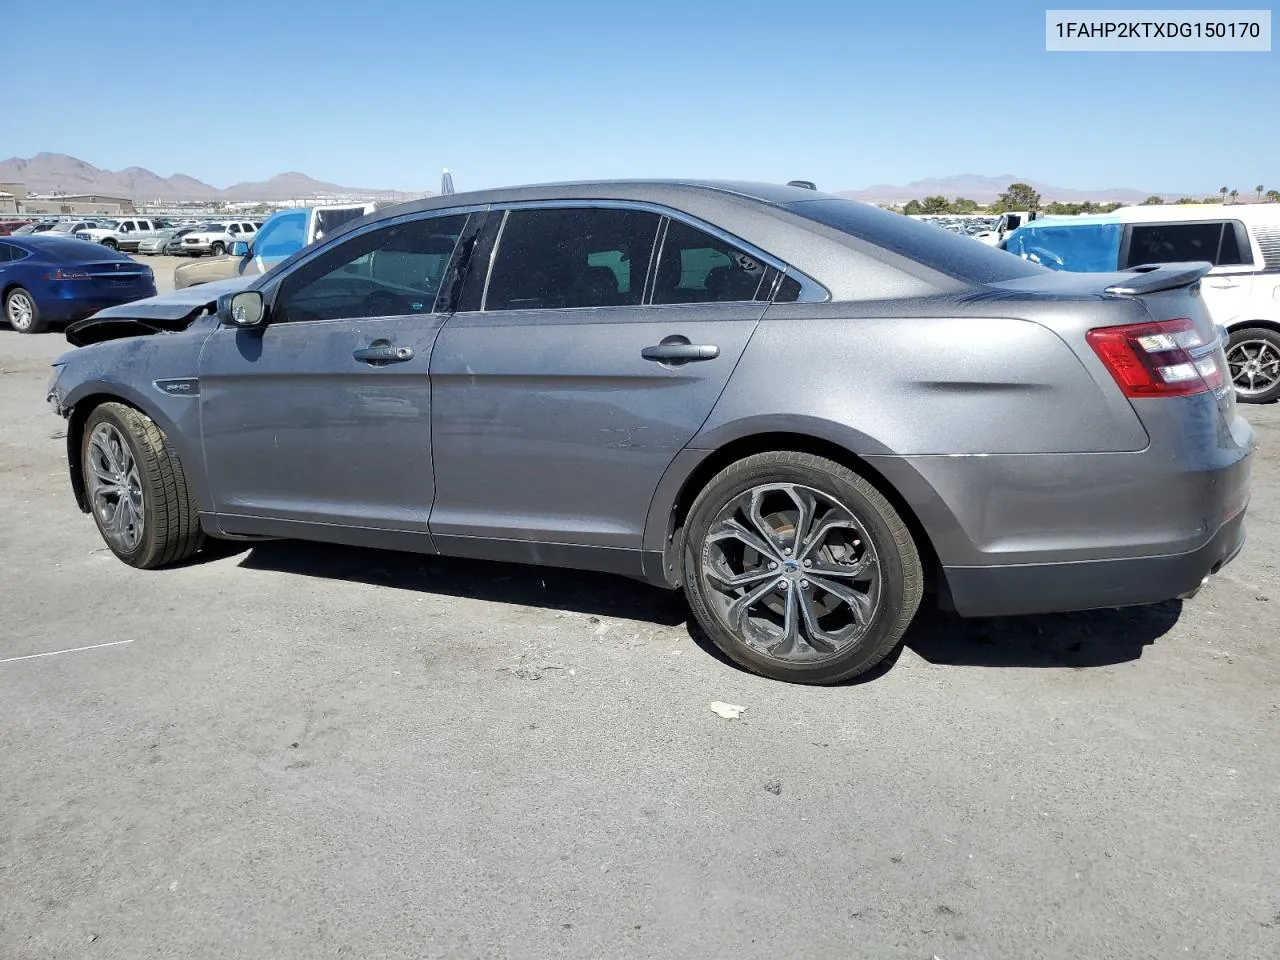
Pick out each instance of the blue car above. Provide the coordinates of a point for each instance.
(48, 280)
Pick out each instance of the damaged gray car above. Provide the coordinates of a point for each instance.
(806, 412)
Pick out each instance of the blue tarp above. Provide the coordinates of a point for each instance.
(1084, 247)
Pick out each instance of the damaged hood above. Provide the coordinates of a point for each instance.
(167, 313)
(176, 304)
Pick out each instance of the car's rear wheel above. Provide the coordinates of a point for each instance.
(22, 311)
(217, 249)
(110, 244)
(1253, 356)
(137, 489)
(799, 569)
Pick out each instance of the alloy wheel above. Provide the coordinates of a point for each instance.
(115, 488)
(792, 572)
(1255, 366)
(20, 310)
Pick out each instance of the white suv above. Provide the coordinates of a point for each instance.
(1242, 291)
(217, 237)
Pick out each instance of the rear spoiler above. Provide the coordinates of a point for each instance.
(1156, 277)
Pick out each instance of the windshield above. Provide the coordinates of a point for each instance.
(281, 236)
(68, 226)
(1083, 248)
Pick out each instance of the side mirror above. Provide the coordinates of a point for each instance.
(239, 249)
(243, 309)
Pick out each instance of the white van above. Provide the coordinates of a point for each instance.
(1242, 291)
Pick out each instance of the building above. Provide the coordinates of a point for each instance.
(75, 204)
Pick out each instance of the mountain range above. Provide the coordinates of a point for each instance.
(59, 173)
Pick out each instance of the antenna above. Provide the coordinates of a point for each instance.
(446, 182)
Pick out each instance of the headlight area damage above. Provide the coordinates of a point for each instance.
(167, 313)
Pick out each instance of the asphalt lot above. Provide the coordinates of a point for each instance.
(299, 751)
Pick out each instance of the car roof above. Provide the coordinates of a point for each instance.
(1248, 212)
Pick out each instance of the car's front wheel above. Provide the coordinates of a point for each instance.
(217, 249)
(110, 244)
(1253, 357)
(137, 489)
(799, 569)
(22, 311)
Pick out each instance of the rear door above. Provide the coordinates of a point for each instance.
(565, 385)
(321, 421)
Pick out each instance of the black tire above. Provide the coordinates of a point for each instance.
(171, 522)
(32, 309)
(900, 584)
(1247, 341)
(110, 244)
(217, 249)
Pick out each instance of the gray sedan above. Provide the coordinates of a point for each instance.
(806, 412)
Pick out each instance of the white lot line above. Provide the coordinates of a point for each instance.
(54, 653)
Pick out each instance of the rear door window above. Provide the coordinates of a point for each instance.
(1217, 241)
(558, 258)
(695, 267)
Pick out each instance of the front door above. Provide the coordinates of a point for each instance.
(558, 405)
(322, 420)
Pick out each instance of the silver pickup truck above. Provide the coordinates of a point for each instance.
(125, 235)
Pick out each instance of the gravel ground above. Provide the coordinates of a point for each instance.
(298, 751)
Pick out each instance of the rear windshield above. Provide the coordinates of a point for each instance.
(964, 258)
(71, 251)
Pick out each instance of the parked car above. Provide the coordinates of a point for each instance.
(173, 247)
(1242, 291)
(33, 228)
(70, 229)
(283, 234)
(158, 241)
(8, 226)
(46, 280)
(799, 408)
(122, 235)
(216, 238)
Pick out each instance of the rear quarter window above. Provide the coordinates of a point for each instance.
(963, 258)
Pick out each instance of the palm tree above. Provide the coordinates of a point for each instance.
(1259, 188)
(1223, 191)
(1273, 196)
(1234, 194)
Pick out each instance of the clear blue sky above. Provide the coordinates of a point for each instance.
(384, 93)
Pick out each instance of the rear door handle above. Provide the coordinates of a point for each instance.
(381, 351)
(677, 350)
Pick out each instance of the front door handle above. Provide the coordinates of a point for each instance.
(381, 351)
(676, 350)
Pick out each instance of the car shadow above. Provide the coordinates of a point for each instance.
(553, 588)
(1094, 638)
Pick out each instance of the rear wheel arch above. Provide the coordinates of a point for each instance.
(1247, 324)
(779, 441)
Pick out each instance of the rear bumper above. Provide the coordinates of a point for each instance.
(1015, 589)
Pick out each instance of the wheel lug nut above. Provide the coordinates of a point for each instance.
(808, 563)
(772, 565)
(804, 584)
(783, 584)
(786, 550)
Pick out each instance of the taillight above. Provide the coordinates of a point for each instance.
(68, 275)
(1164, 359)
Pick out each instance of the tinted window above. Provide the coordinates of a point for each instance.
(695, 267)
(961, 257)
(389, 272)
(72, 251)
(550, 259)
(281, 236)
(1215, 242)
(329, 220)
(788, 291)
(5, 251)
